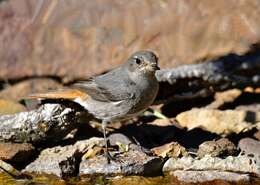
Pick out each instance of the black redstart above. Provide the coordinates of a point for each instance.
(119, 94)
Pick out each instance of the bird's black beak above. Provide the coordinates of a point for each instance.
(155, 67)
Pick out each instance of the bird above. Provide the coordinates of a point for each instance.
(119, 94)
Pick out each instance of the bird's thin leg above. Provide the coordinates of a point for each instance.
(143, 149)
(108, 156)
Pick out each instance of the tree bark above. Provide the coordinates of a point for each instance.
(203, 80)
(50, 122)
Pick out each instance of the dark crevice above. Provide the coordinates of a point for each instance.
(150, 136)
(22, 164)
(175, 107)
(235, 138)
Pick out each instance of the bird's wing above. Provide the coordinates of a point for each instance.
(110, 87)
(106, 90)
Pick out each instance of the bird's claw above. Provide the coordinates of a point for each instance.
(110, 158)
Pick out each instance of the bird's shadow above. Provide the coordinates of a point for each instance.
(150, 136)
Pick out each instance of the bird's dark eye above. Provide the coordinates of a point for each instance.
(138, 61)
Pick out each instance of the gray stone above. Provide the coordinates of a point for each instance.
(250, 147)
(221, 147)
(119, 138)
(239, 164)
(202, 176)
(62, 161)
(130, 163)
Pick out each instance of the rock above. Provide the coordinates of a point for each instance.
(203, 176)
(122, 142)
(219, 122)
(16, 152)
(221, 98)
(172, 149)
(118, 138)
(90, 43)
(239, 164)
(10, 107)
(62, 161)
(252, 90)
(249, 147)
(257, 135)
(133, 162)
(219, 148)
(164, 122)
(22, 89)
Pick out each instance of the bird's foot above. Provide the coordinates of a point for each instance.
(110, 158)
(141, 148)
(146, 151)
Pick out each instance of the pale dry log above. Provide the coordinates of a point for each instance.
(49, 122)
(203, 80)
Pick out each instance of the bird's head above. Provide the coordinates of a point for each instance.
(143, 62)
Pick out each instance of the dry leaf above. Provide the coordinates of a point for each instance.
(92, 152)
(172, 149)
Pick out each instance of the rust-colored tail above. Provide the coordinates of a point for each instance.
(69, 94)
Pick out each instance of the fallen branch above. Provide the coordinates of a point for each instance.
(203, 80)
(49, 122)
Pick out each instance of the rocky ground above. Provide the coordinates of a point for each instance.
(197, 145)
(204, 126)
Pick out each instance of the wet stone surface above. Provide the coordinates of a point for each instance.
(128, 180)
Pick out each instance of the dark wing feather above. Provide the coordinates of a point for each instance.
(92, 89)
(106, 88)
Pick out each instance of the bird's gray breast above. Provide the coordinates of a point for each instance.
(145, 95)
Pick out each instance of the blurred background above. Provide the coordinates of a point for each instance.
(48, 43)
